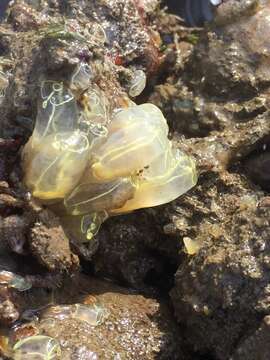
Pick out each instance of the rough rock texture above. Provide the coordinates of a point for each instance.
(213, 86)
(50, 245)
(256, 346)
(38, 43)
(132, 255)
(137, 326)
(219, 97)
(47, 47)
(223, 290)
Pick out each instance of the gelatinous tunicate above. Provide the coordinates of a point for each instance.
(56, 164)
(98, 33)
(82, 77)
(88, 162)
(93, 314)
(83, 353)
(169, 176)
(90, 197)
(37, 347)
(96, 107)
(57, 113)
(14, 281)
(137, 84)
(84, 227)
(137, 136)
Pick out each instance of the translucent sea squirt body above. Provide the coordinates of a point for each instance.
(57, 164)
(38, 347)
(95, 164)
(56, 154)
(137, 136)
(136, 167)
(14, 281)
(171, 175)
(93, 314)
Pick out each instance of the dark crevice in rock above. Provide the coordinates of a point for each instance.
(195, 12)
(257, 165)
(163, 281)
(3, 7)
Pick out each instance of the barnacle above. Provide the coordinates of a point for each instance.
(94, 162)
(37, 347)
(137, 84)
(96, 108)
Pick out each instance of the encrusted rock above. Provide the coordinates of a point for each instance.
(134, 325)
(50, 244)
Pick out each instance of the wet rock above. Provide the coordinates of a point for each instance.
(9, 306)
(111, 36)
(221, 292)
(3, 8)
(55, 48)
(224, 80)
(12, 280)
(50, 245)
(257, 167)
(135, 326)
(49, 280)
(256, 346)
(215, 296)
(217, 95)
(230, 11)
(8, 150)
(195, 13)
(138, 254)
(8, 312)
(14, 232)
(146, 243)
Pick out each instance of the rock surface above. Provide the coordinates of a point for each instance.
(213, 86)
(256, 346)
(135, 325)
(221, 103)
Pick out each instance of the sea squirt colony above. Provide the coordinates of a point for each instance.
(40, 346)
(89, 162)
(37, 347)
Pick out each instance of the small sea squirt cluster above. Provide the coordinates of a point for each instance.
(15, 281)
(43, 347)
(93, 314)
(94, 163)
(39, 347)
